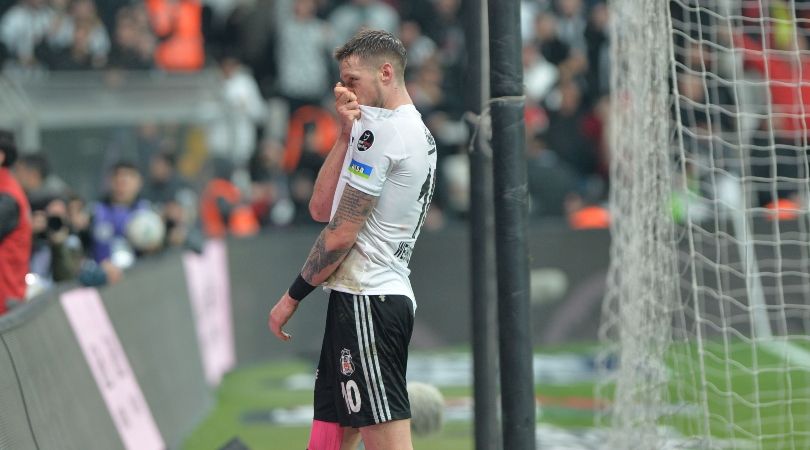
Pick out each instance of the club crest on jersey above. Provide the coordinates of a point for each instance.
(360, 169)
(365, 141)
(346, 364)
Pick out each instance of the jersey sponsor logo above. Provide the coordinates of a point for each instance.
(360, 169)
(365, 141)
(346, 364)
(404, 251)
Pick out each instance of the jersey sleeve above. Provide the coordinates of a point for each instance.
(374, 152)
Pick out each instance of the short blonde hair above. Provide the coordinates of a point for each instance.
(375, 44)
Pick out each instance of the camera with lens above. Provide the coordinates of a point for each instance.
(55, 223)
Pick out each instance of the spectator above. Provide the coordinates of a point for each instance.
(111, 214)
(547, 40)
(134, 44)
(425, 87)
(302, 47)
(77, 56)
(31, 170)
(571, 24)
(65, 26)
(311, 133)
(270, 196)
(15, 228)
(79, 221)
(222, 208)
(420, 47)
(595, 129)
(353, 15)
(164, 184)
(56, 252)
(180, 229)
(445, 29)
(565, 135)
(786, 75)
(172, 196)
(550, 179)
(540, 75)
(178, 25)
(23, 27)
(235, 138)
(34, 174)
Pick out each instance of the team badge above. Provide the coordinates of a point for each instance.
(365, 141)
(346, 365)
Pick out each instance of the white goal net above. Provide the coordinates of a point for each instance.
(706, 324)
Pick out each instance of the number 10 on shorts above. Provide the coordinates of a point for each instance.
(351, 394)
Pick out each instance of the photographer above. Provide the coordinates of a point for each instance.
(56, 251)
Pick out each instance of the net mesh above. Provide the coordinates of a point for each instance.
(707, 315)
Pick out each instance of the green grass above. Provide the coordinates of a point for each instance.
(261, 388)
(751, 393)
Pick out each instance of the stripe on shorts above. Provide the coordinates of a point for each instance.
(370, 358)
(371, 352)
(377, 359)
(360, 339)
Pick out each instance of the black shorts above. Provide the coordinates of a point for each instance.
(361, 373)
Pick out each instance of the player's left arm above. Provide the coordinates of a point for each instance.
(329, 250)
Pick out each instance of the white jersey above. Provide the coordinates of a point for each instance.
(393, 156)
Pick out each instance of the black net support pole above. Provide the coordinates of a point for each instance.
(484, 319)
(511, 212)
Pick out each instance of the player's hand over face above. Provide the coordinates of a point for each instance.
(280, 314)
(346, 106)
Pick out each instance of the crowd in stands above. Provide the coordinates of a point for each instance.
(273, 59)
(742, 96)
(61, 237)
(277, 73)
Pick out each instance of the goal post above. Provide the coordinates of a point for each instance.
(706, 322)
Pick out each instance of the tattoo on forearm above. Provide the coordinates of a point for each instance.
(320, 258)
(354, 208)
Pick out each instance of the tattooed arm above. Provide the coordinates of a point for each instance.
(339, 235)
(332, 246)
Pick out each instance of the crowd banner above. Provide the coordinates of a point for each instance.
(210, 297)
(111, 370)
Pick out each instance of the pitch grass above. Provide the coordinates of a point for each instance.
(261, 388)
(751, 392)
